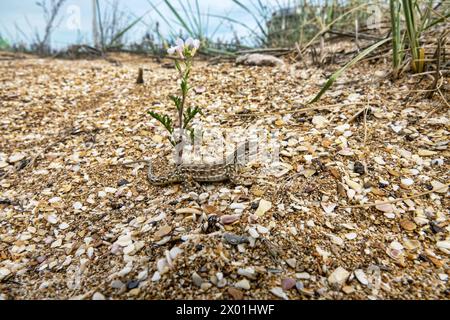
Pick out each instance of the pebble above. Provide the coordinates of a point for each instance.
(122, 182)
(278, 292)
(359, 168)
(132, 284)
(162, 266)
(287, 283)
(247, 272)
(52, 219)
(234, 239)
(203, 197)
(338, 277)
(4, 272)
(54, 200)
(236, 294)
(188, 211)
(197, 280)
(239, 206)
(77, 205)
(98, 296)
(229, 219)
(262, 229)
(156, 277)
(303, 276)
(386, 207)
(124, 240)
(443, 244)
(361, 276)
(292, 263)
(16, 157)
(243, 284)
(437, 162)
(348, 289)
(408, 225)
(253, 233)
(319, 122)
(336, 240)
(354, 185)
(443, 276)
(406, 182)
(263, 207)
(117, 284)
(379, 160)
(351, 236)
(439, 187)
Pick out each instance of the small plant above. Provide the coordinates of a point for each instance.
(184, 51)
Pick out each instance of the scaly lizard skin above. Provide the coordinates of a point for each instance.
(226, 171)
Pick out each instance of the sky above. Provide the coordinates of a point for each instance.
(20, 20)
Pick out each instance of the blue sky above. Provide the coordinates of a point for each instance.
(76, 18)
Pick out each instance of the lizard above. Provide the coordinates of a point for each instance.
(219, 172)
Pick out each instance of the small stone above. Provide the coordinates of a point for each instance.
(156, 277)
(122, 182)
(426, 153)
(4, 272)
(385, 207)
(117, 284)
(16, 157)
(408, 225)
(239, 206)
(203, 197)
(124, 240)
(257, 59)
(396, 245)
(336, 240)
(439, 187)
(197, 280)
(359, 168)
(188, 211)
(443, 244)
(361, 276)
(247, 272)
(230, 219)
(262, 229)
(132, 284)
(338, 277)
(243, 284)
(328, 207)
(351, 235)
(319, 122)
(406, 183)
(343, 128)
(54, 200)
(292, 263)
(236, 294)
(303, 276)
(77, 205)
(287, 283)
(263, 207)
(379, 160)
(443, 276)
(234, 239)
(134, 292)
(52, 219)
(278, 292)
(253, 233)
(162, 232)
(348, 289)
(98, 296)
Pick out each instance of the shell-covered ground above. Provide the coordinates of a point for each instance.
(75, 223)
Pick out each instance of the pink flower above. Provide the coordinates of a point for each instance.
(191, 45)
